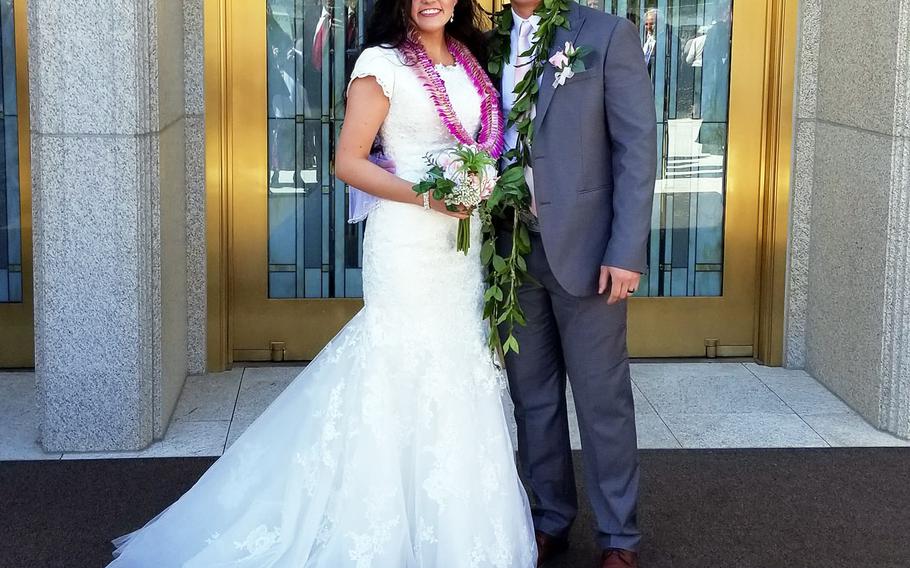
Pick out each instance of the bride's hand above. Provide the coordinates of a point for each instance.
(459, 213)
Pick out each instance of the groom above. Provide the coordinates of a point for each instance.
(592, 181)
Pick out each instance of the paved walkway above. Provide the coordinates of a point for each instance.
(679, 405)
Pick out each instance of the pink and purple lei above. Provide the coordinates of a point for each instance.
(492, 127)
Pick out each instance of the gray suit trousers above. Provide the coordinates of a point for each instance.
(585, 338)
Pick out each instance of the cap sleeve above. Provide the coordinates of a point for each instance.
(377, 62)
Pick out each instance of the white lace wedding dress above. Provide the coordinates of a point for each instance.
(391, 449)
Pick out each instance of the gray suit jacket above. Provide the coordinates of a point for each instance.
(595, 154)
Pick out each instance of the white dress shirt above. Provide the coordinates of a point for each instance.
(508, 87)
(648, 47)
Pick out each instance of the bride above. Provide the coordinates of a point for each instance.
(391, 449)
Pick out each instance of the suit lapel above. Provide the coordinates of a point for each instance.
(547, 90)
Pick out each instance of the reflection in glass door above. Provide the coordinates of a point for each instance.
(10, 208)
(700, 288)
(312, 47)
(295, 262)
(686, 46)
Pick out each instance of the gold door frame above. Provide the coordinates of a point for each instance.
(17, 332)
(780, 70)
(761, 165)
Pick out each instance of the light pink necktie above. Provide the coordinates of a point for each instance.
(522, 61)
(522, 66)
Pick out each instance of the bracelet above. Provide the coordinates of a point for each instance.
(426, 200)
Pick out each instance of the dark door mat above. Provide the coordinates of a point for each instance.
(699, 508)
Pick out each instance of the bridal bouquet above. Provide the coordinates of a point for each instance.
(464, 176)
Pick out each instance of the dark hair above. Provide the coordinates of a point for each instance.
(390, 21)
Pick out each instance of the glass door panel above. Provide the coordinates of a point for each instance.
(705, 59)
(16, 313)
(312, 47)
(686, 46)
(10, 206)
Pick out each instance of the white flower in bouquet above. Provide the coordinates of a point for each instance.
(471, 187)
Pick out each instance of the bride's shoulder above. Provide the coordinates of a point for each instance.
(383, 63)
(380, 54)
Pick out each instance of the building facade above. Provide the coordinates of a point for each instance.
(168, 205)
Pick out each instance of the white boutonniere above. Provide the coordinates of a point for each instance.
(568, 62)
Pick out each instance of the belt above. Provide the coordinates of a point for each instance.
(530, 220)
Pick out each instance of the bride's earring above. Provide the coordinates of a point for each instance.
(452, 19)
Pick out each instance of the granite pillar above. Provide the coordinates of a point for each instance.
(848, 297)
(108, 166)
(195, 187)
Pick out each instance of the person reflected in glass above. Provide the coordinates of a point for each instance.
(352, 41)
(694, 55)
(312, 49)
(649, 41)
(695, 48)
(715, 90)
(327, 25)
(281, 83)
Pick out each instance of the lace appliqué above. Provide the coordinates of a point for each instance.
(260, 540)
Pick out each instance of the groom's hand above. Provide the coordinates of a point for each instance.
(619, 282)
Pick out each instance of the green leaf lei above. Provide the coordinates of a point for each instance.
(506, 274)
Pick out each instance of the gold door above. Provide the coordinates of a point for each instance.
(701, 286)
(710, 64)
(16, 304)
(292, 277)
(296, 266)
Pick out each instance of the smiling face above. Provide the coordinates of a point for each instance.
(650, 20)
(431, 16)
(524, 8)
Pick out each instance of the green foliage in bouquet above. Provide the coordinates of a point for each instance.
(435, 183)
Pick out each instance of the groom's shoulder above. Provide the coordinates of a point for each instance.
(601, 22)
(592, 13)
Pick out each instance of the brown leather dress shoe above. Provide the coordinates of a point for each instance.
(618, 558)
(548, 547)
